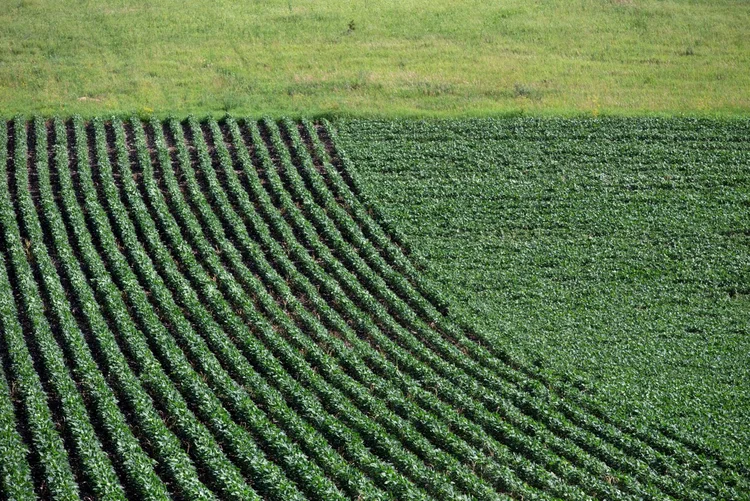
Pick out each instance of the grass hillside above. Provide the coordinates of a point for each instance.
(381, 57)
(617, 249)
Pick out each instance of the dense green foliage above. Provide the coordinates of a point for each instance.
(615, 249)
(388, 58)
(215, 310)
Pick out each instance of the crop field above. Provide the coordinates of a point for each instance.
(614, 249)
(220, 310)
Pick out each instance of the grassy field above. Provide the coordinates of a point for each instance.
(375, 57)
(618, 249)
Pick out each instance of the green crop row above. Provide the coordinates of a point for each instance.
(15, 473)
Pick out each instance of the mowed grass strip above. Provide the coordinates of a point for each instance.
(240, 320)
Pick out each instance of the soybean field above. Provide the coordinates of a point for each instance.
(222, 310)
